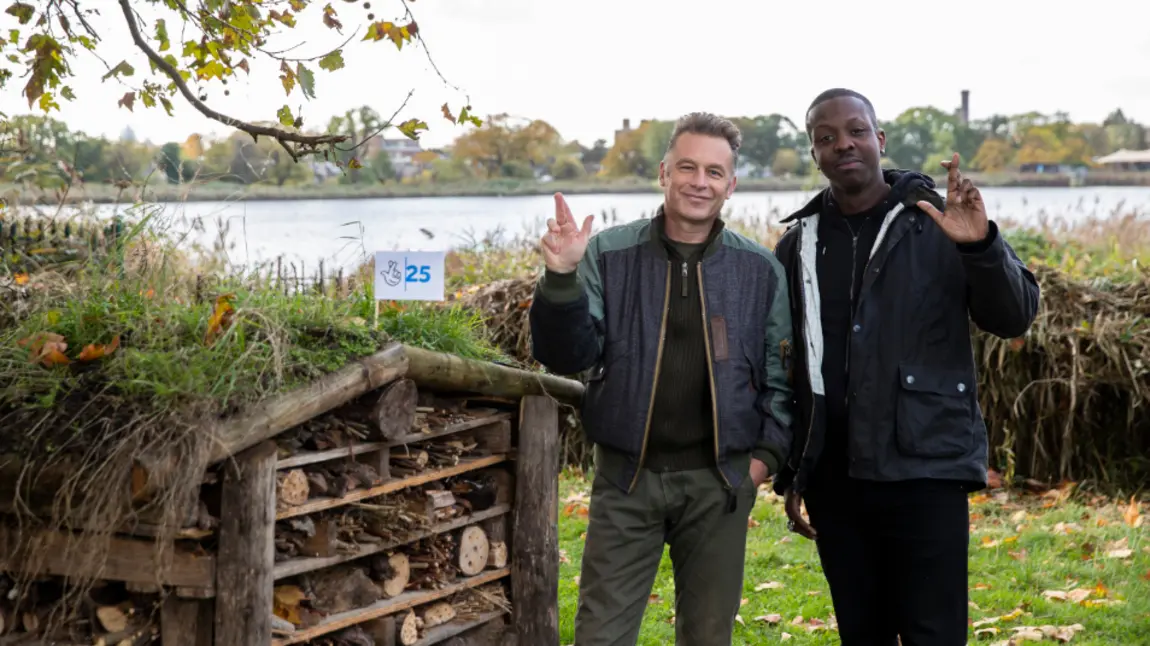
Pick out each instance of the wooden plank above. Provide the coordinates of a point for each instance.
(296, 566)
(456, 627)
(535, 558)
(246, 559)
(128, 559)
(479, 422)
(386, 607)
(313, 457)
(320, 504)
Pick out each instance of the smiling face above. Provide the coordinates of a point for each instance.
(846, 143)
(697, 176)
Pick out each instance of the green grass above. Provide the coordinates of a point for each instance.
(1030, 558)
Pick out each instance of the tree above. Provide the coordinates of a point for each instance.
(993, 155)
(786, 162)
(168, 161)
(764, 136)
(626, 157)
(504, 145)
(219, 40)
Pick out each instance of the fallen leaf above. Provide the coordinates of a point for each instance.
(1132, 515)
(993, 479)
(653, 599)
(21, 279)
(981, 586)
(46, 349)
(771, 619)
(739, 618)
(1018, 516)
(986, 632)
(1020, 555)
(784, 637)
(1026, 633)
(769, 585)
(95, 351)
(797, 621)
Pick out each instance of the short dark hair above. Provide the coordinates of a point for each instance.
(835, 93)
(711, 125)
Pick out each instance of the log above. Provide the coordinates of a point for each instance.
(472, 551)
(535, 559)
(390, 415)
(112, 618)
(409, 629)
(437, 614)
(245, 561)
(273, 416)
(441, 371)
(341, 589)
(395, 575)
(292, 488)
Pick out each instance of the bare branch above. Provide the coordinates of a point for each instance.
(386, 124)
(309, 141)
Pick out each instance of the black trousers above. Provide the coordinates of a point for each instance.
(895, 556)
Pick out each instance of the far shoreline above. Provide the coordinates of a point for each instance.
(155, 192)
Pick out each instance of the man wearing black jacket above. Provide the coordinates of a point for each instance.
(885, 278)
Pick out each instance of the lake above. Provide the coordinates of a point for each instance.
(340, 231)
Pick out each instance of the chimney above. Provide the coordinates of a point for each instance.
(626, 124)
(965, 107)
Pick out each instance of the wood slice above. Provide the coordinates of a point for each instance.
(396, 583)
(438, 614)
(473, 550)
(497, 556)
(389, 415)
(292, 487)
(409, 629)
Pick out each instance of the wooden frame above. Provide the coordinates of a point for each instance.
(225, 599)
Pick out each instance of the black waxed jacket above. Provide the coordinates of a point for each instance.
(912, 388)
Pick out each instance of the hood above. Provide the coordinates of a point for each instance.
(906, 186)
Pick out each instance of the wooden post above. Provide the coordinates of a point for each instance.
(185, 622)
(246, 558)
(535, 559)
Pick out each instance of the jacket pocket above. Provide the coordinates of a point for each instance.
(604, 390)
(934, 415)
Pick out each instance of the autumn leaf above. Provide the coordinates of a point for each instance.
(354, 163)
(411, 128)
(769, 585)
(330, 18)
(221, 318)
(287, 77)
(121, 69)
(447, 113)
(1132, 515)
(286, 603)
(21, 279)
(332, 62)
(46, 348)
(285, 116)
(95, 351)
(128, 100)
(22, 11)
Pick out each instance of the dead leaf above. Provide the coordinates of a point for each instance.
(993, 479)
(95, 351)
(769, 585)
(286, 603)
(784, 637)
(21, 279)
(986, 632)
(221, 318)
(771, 619)
(46, 349)
(1132, 515)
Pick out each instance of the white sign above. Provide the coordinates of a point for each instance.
(409, 275)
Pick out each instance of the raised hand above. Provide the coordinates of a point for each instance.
(964, 220)
(564, 244)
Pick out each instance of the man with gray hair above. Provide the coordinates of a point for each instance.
(683, 331)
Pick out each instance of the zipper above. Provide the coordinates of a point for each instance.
(655, 380)
(710, 370)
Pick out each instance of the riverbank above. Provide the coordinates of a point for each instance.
(157, 191)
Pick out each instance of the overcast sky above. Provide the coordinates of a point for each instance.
(586, 65)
